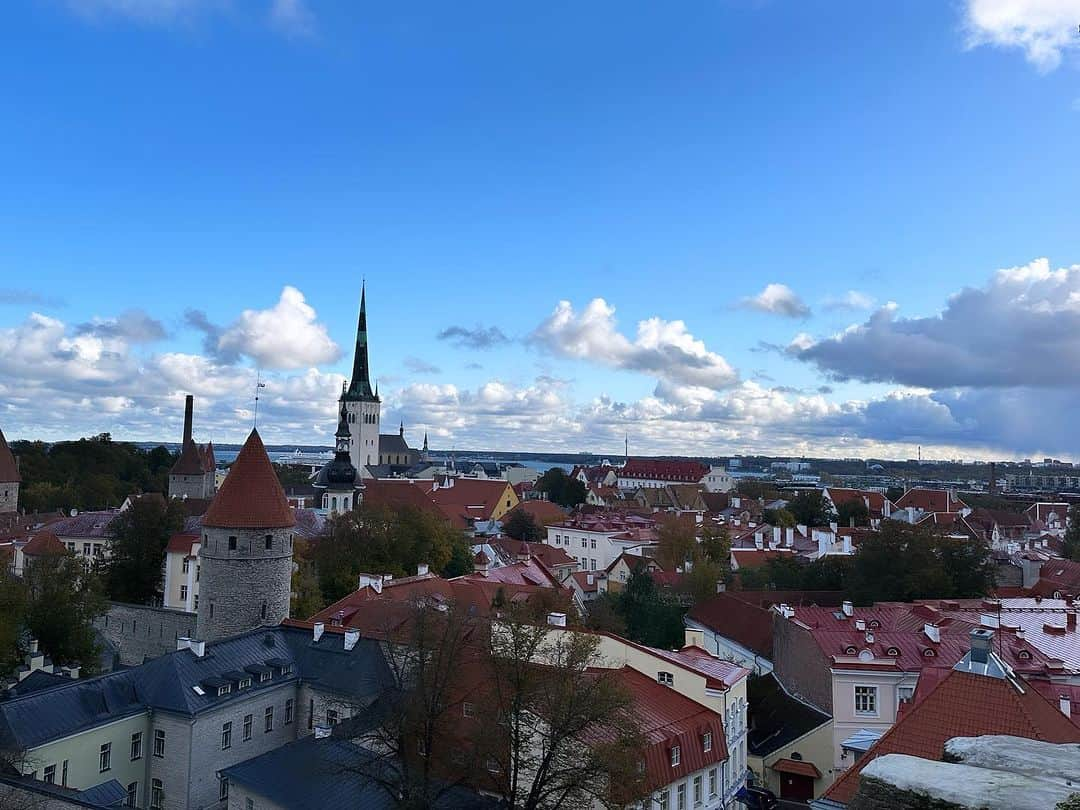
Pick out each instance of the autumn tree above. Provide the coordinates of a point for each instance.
(677, 543)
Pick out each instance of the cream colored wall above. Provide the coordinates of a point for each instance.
(815, 747)
(82, 753)
(846, 722)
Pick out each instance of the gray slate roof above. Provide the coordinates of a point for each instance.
(393, 443)
(165, 683)
(313, 774)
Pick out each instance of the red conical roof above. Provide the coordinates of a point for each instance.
(251, 496)
(9, 470)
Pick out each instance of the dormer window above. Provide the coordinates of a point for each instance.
(850, 650)
(928, 653)
(873, 624)
(665, 678)
(264, 677)
(706, 742)
(244, 683)
(285, 670)
(676, 756)
(893, 652)
(1023, 655)
(224, 689)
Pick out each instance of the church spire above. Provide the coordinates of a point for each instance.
(360, 385)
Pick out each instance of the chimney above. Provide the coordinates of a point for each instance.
(590, 579)
(33, 646)
(789, 539)
(980, 645)
(183, 643)
(801, 527)
(351, 637)
(933, 632)
(317, 631)
(834, 526)
(422, 569)
(1070, 620)
(557, 619)
(199, 648)
(1065, 704)
(71, 672)
(860, 624)
(759, 542)
(720, 586)
(847, 543)
(848, 608)
(189, 407)
(776, 539)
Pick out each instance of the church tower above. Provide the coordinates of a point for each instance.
(247, 544)
(338, 479)
(362, 405)
(9, 478)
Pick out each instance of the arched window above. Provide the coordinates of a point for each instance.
(333, 504)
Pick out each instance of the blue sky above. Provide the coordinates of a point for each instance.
(170, 165)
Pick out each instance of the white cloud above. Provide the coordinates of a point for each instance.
(665, 349)
(1043, 29)
(282, 337)
(852, 299)
(778, 299)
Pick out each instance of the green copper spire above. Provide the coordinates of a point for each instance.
(360, 385)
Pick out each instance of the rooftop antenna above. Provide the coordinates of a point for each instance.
(258, 384)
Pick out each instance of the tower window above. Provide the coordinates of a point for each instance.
(232, 542)
(269, 541)
(264, 610)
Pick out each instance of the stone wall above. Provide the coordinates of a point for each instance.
(799, 664)
(141, 632)
(9, 497)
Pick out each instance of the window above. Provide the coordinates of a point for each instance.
(244, 683)
(706, 742)
(665, 679)
(584, 543)
(249, 803)
(50, 774)
(268, 720)
(133, 795)
(493, 765)
(136, 746)
(183, 593)
(86, 549)
(421, 747)
(232, 543)
(288, 711)
(698, 797)
(680, 797)
(468, 709)
(904, 693)
(592, 542)
(263, 615)
(226, 736)
(311, 713)
(157, 795)
(676, 756)
(331, 717)
(663, 798)
(224, 690)
(866, 700)
(186, 566)
(712, 782)
(247, 727)
(159, 742)
(63, 773)
(593, 562)
(105, 757)
(264, 676)
(269, 540)
(223, 789)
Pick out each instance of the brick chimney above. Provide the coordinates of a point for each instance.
(189, 408)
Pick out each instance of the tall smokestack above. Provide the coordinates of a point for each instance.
(189, 406)
(993, 480)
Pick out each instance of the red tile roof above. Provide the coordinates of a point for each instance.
(964, 705)
(192, 460)
(797, 767)
(755, 557)
(582, 580)
(551, 556)
(746, 624)
(689, 472)
(875, 501)
(930, 500)
(251, 496)
(181, 543)
(401, 493)
(467, 500)
(543, 512)
(9, 470)
(1058, 576)
(44, 543)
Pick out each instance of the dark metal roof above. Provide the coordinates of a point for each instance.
(165, 683)
(106, 796)
(776, 718)
(322, 774)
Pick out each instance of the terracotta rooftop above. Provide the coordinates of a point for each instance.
(543, 512)
(192, 460)
(251, 496)
(687, 472)
(9, 470)
(746, 624)
(44, 543)
(181, 543)
(964, 705)
(930, 500)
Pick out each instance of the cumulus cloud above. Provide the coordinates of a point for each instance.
(778, 299)
(852, 299)
(664, 349)
(477, 338)
(285, 336)
(1043, 29)
(1020, 329)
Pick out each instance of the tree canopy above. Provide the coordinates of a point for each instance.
(521, 525)
(132, 572)
(561, 488)
(810, 508)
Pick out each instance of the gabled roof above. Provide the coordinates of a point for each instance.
(182, 543)
(746, 624)
(192, 460)
(251, 496)
(687, 472)
(467, 500)
(9, 470)
(777, 718)
(393, 443)
(930, 500)
(964, 705)
(43, 544)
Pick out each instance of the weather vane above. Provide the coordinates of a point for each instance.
(258, 384)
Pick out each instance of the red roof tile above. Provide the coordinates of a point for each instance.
(742, 622)
(9, 470)
(44, 543)
(797, 767)
(964, 705)
(467, 500)
(251, 496)
(688, 472)
(181, 543)
(930, 500)
(543, 512)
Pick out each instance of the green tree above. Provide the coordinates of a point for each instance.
(900, 563)
(853, 512)
(13, 599)
(749, 488)
(677, 543)
(811, 509)
(307, 598)
(699, 583)
(63, 599)
(604, 614)
(716, 544)
(1072, 534)
(521, 525)
(779, 517)
(132, 573)
(651, 618)
(291, 476)
(561, 488)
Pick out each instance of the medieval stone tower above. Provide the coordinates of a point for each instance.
(193, 475)
(247, 546)
(362, 404)
(9, 478)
